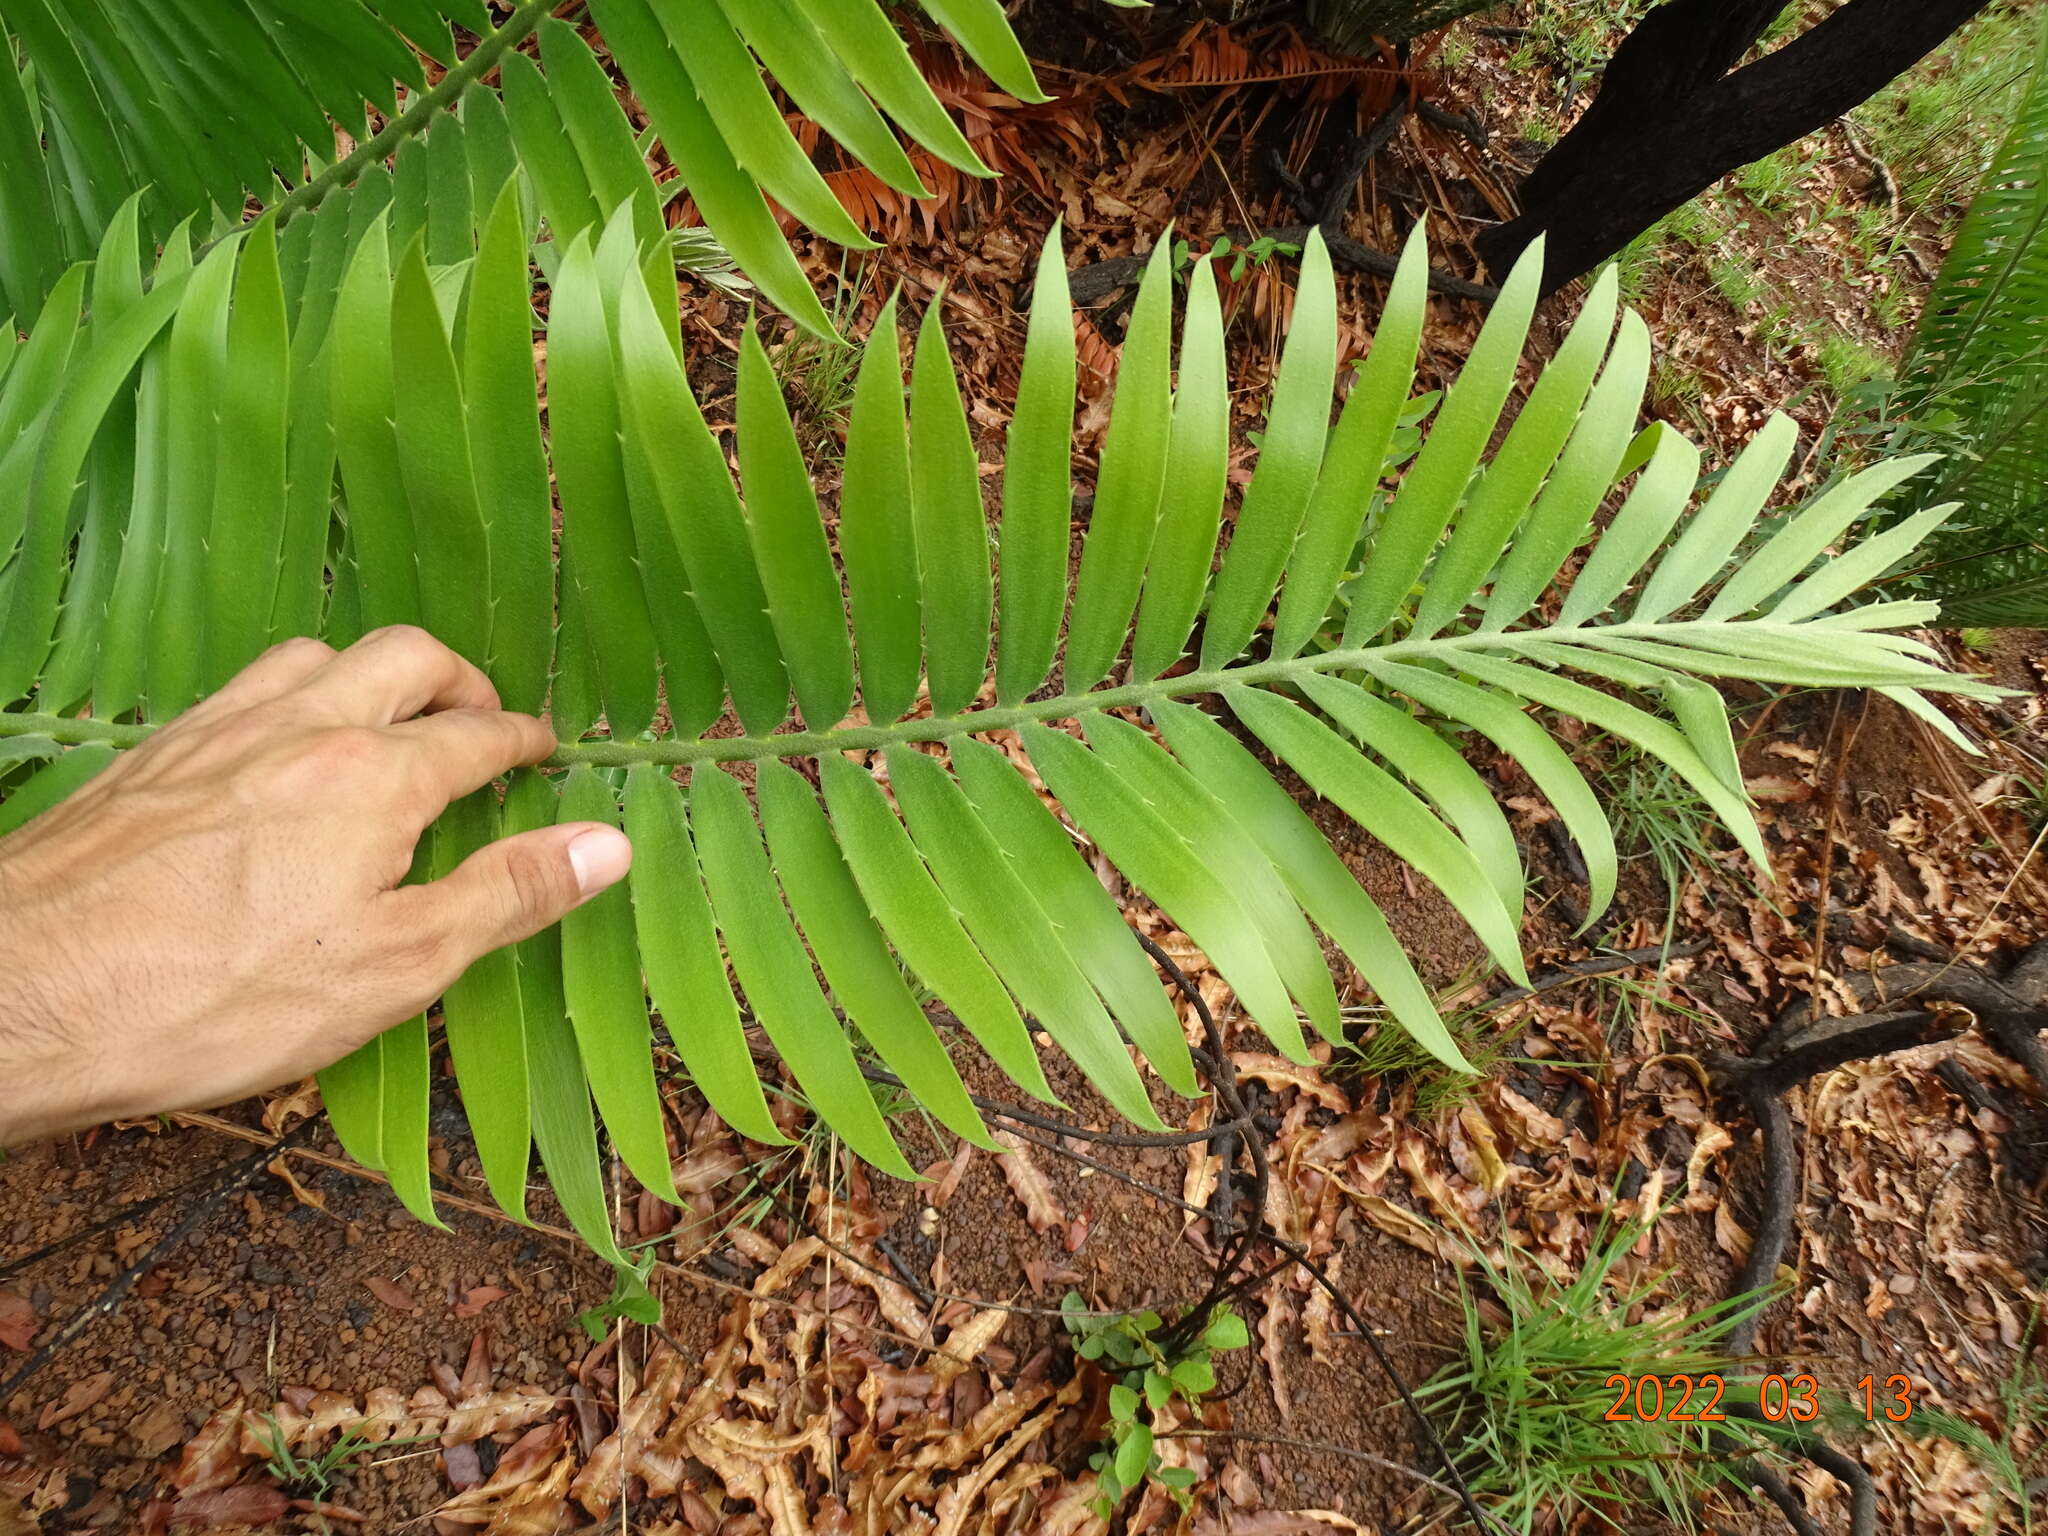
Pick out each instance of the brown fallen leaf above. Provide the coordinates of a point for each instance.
(213, 1458)
(396, 1297)
(1279, 1522)
(1279, 1072)
(1776, 789)
(78, 1397)
(1028, 1183)
(967, 1341)
(17, 1321)
(243, 1504)
(476, 1299)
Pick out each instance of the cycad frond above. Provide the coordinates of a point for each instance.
(913, 849)
(1978, 371)
(203, 107)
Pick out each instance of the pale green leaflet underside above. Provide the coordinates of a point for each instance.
(884, 884)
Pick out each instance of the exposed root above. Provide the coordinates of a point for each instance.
(2011, 1010)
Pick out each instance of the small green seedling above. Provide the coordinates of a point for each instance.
(1129, 1346)
(313, 1477)
(1243, 255)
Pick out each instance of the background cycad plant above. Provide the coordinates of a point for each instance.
(172, 514)
(215, 108)
(1976, 378)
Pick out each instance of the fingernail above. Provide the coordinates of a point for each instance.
(600, 858)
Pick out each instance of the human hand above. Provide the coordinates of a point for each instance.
(221, 909)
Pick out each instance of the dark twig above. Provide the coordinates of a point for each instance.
(1225, 1083)
(1458, 122)
(1797, 1046)
(1344, 179)
(1223, 1079)
(230, 1177)
(1757, 1475)
(127, 1215)
(1598, 965)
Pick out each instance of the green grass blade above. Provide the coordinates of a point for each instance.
(1038, 486)
(878, 531)
(1290, 459)
(1327, 891)
(1197, 478)
(679, 947)
(601, 983)
(1130, 483)
(864, 977)
(1018, 941)
(952, 529)
(484, 1016)
(1073, 899)
(789, 545)
(1383, 806)
(776, 974)
(1157, 855)
(922, 924)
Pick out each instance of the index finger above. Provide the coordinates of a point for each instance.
(464, 749)
(394, 674)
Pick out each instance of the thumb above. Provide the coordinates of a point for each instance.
(512, 889)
